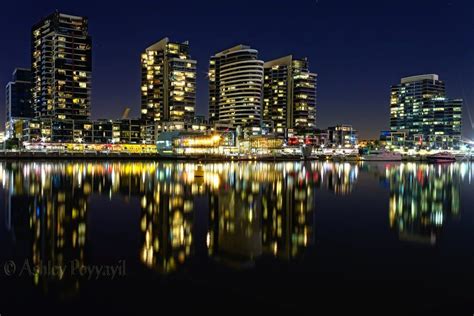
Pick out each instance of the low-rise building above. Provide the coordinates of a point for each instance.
(102, 131)
(342, 135)
(188, 143)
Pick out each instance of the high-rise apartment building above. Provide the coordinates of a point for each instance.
(289, 96)
(61, 67)
(235, 87)
(18, 100)
(168, 89)
(421, 111)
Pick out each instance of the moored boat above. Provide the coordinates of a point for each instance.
(441, 157)
(382, 155)
(462, 157)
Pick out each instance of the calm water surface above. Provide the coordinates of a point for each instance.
(139, 236)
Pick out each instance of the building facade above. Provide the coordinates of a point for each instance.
(61, 67)
(18, 101)
(101, 131)
(235, 87)
(420, 110)
(168, 86)
(289, 96)
(342, 135)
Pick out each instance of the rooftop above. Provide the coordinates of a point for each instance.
(419, 78)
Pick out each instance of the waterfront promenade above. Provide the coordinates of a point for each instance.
(41, 155)
(31, 155)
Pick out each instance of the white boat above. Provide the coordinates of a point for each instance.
(382, 155)
(462, 157)
(441, 157)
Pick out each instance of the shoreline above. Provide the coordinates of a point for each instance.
(146, 157)
(11, 156)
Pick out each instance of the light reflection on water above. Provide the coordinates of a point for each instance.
(253, 209)
(422, 196)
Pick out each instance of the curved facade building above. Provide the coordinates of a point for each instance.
(235, 87)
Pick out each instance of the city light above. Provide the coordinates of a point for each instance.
(285, 157)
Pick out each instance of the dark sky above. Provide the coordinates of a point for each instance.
(358, 48)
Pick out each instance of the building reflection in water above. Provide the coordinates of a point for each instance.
(255, 209)
(339, 178)
(47, 205)
(167, 216)
(422, 196)
(260, 209)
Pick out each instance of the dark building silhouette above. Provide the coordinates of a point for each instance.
(18, 101)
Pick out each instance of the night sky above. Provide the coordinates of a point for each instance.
(358, 48)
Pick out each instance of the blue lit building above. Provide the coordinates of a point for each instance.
(18, 100)
(420, 109)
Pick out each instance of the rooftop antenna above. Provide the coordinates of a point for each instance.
(125, 113)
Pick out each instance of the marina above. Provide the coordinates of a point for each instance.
(350, 156)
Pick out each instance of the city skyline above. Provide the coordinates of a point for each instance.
(266, 155)
(366, 103)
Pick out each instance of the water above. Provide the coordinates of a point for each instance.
(134, 236)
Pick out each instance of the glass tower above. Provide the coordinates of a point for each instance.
(289, 100)
(61, 67)
(168, 89)
(18, 100)
(421, 111)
